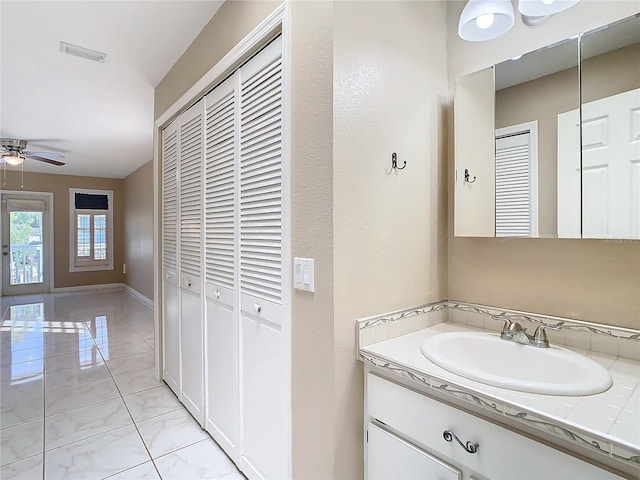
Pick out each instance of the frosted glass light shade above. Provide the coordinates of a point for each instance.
(13, 159)
(541, 8)
(475, 20)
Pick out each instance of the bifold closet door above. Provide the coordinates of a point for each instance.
(265, 443)
(170, 287)
(222, 414)
(191, 147)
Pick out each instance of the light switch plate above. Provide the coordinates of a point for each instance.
(303, 274)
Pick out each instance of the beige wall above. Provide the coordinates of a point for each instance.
(59, 185)
(611, 73)
(231, 23)
(312, 235)
(588, 279)
(138, 229)
(389, 228)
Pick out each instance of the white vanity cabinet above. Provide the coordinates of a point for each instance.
(418, 422)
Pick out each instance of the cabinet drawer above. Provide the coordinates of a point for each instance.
(502, 454)
(391, 458)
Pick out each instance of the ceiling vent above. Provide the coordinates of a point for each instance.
(82, 52)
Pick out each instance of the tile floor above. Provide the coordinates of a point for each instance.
(78, 399)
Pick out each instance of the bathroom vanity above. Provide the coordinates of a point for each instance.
(423, 421)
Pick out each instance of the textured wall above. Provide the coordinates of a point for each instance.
(390, 94)
(138, 230)
(593, 280)
(59, 185)
(312, 384)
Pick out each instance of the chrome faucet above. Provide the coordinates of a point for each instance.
(513, 332)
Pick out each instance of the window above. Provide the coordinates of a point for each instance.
(91, 230)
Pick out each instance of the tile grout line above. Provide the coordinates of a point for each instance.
(120, 395)
(132, 420)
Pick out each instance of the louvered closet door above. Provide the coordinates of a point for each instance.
(222, 415)
(170, 284)
(191, 147)
(263, 375)
(514, 199)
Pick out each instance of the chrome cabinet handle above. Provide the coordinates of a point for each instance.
(258, 307)
(217, 294)
(471, 447)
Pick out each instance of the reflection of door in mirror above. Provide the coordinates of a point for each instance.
(611, 131)
(516, 181)
(536, 88)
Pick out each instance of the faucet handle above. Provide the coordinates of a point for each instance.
(507, 332)
(540, 336)
(507, 323)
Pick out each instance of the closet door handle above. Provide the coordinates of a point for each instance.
(217, 294)
(189, 284)
(258, 307)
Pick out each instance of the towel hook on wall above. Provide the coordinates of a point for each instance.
(466, 176)
(394, 162)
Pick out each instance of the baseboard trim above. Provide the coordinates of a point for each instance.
(79, 288)
(133, 292)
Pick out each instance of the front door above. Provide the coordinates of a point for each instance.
(25, 243)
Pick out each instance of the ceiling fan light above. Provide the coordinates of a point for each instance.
(485, 19)
(541, 8)
(13, 159)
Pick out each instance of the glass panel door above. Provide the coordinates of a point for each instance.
(24, 244)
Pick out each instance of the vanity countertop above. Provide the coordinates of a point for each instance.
(607, 423)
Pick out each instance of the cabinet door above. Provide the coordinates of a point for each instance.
(170, 286)
(264, 371)
(423, 420)
(222, 412)
(391, 458)
(190, 153)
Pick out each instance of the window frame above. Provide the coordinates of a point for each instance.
(77, 264)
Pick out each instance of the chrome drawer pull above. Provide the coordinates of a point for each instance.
(471, 447)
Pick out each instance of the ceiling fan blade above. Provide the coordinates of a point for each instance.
(49, 155)
(45, 160)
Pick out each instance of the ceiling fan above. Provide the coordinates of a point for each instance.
(12, 151)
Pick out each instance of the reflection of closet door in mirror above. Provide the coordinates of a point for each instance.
(535, 88)
(611, 131)
(474, 213)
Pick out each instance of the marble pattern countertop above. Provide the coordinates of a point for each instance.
(607, 423)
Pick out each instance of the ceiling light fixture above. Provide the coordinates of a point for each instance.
(12, 158)
(485, 19)
(82, 52)
(542, 8)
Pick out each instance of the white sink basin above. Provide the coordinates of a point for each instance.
(486, 358)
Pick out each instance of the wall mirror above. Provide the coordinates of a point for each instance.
(610, 177)
(530, 93)
(527, 176)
